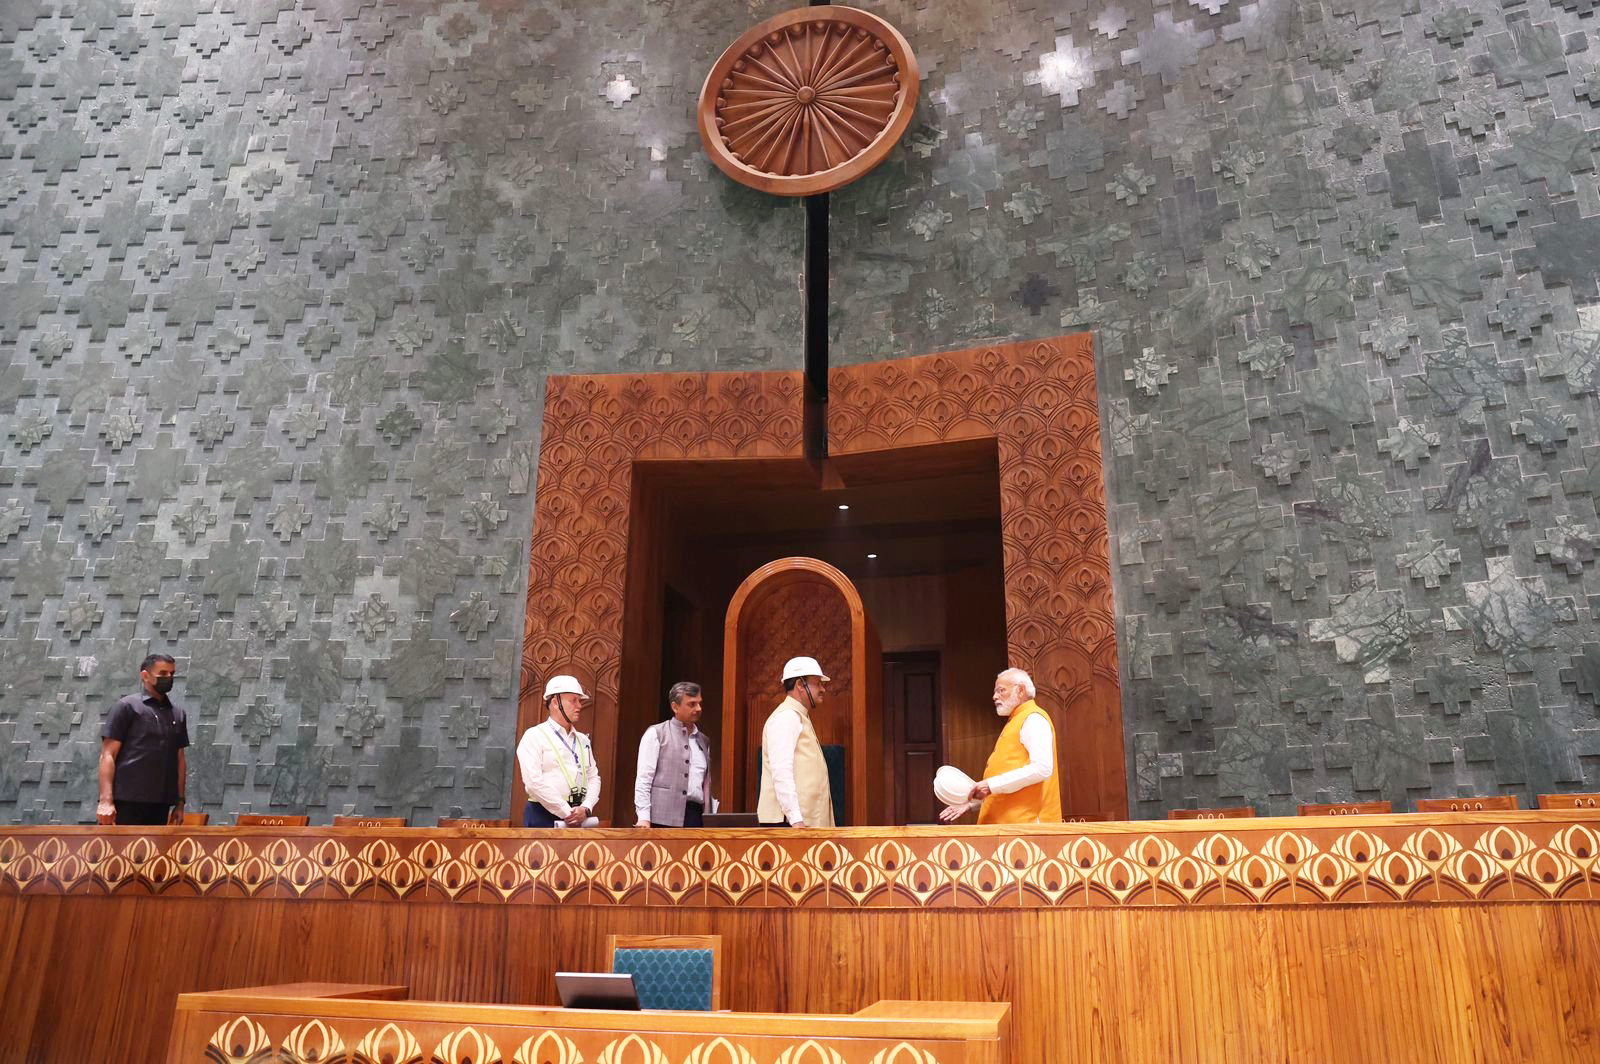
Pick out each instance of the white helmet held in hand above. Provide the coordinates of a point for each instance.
(951, 785)
(564, 685)
(795, 668)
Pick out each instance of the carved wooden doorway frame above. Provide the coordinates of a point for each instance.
(1036, 400)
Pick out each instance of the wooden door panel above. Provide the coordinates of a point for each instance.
(911, 703)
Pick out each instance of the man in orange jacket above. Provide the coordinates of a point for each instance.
(1019, 784)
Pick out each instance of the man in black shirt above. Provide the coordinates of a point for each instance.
(142, 766)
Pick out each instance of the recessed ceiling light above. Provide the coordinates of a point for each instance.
(871, 556)
(844, 506)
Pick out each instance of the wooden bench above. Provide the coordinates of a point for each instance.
(1485, 804)
(1569, 801)
(1232, 812)
(1345, 808)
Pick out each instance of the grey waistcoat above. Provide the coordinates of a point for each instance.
(672, 774)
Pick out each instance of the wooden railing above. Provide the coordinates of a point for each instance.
(1328, 939)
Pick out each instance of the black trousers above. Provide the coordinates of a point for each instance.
(693, 817)
(535, 815)
(142, 814)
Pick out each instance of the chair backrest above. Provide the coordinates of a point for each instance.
(1569, 801)
(471, 822)
(369, 821)
(671, 971)
(1345, 808)
(196, 820)
(272, 820)
(1231, 812)
(1485, 803)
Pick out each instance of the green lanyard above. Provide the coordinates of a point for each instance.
(572, 784)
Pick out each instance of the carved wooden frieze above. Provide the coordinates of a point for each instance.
(1413, 858)
(1037, 400)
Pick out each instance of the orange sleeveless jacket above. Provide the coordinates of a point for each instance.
(1038, 804)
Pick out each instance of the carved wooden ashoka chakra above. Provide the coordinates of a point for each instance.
(809, 100)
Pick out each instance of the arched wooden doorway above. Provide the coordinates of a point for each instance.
(786, 608)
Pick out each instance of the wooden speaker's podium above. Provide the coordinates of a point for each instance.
(315, 1022)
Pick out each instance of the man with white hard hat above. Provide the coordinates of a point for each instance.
(557, 761)
(794, 777)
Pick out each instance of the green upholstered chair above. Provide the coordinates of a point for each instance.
(681, 972)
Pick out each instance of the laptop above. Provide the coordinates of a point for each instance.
(597, 990)
(730, 820)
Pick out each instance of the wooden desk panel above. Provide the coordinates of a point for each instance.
(249, 1024)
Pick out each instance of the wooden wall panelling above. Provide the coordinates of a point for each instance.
(1330, 984)
(805, 617)
(26, 931)
(868, 727)
(790, 607)
(1038, 401)
(1565, 948)
(975, 642)
(595, 429)
(639, 690)
(908, 610)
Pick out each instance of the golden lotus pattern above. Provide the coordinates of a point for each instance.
(245, 1041)
(1524, 856)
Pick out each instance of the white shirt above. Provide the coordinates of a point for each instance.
(1039, 740)
(782, 733)
(649, 755)
(555, 762)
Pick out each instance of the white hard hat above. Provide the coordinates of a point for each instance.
(951, 785)
(795, 668)
(564, 685)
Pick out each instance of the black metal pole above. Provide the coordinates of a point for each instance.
(816, 327)
(815, 425)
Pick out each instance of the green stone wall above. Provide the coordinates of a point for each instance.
(282, 282)
(1341, 260)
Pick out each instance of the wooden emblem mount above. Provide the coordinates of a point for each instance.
(808, 100)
